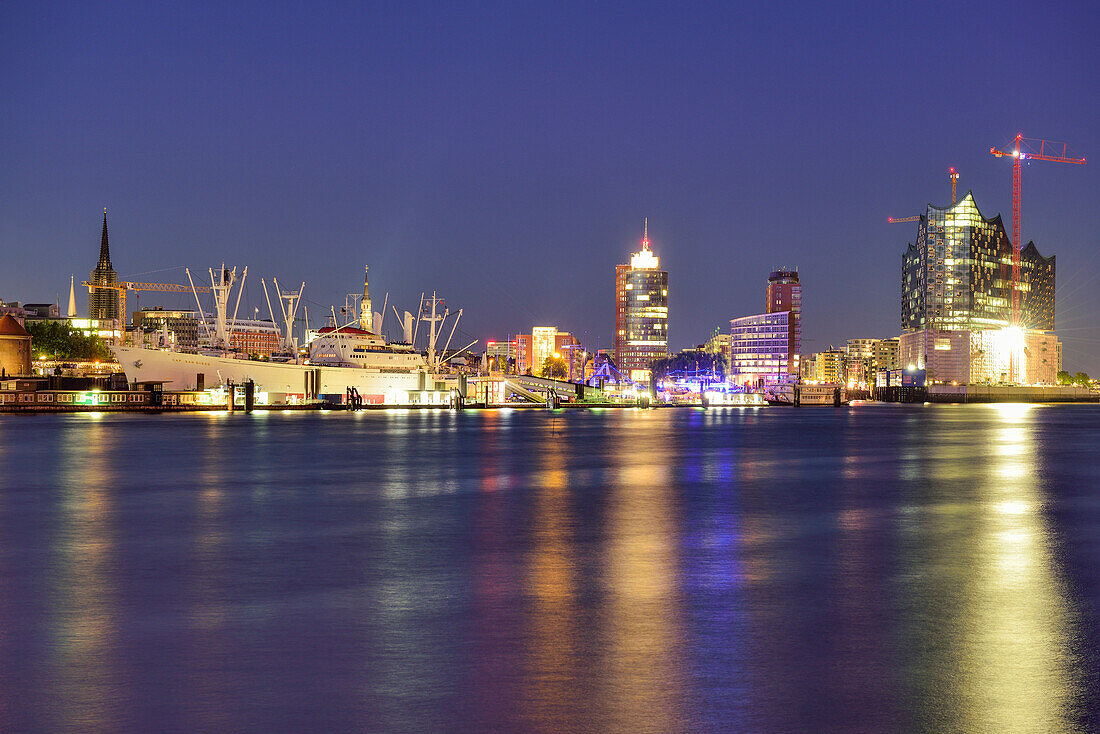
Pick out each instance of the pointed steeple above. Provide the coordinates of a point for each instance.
(104, 250)
(103, 303)
(72, 296)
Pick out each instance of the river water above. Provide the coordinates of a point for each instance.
(871, 568)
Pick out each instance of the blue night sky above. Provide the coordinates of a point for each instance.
(505, 155)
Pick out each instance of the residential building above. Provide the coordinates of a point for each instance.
(641, 312)
(566, 345)
(828, 366)
(41, 310)
(14, 309)
(719, 343)
(533, 349)
(865, 358)
(886, 354)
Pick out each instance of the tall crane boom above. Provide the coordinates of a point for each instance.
(125, 285)
(1027, 149)
(900, 220)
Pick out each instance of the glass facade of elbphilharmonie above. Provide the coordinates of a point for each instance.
(958, 274)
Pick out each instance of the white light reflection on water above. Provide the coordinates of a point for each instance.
(990, 613)
(641, 686)
(89, 688)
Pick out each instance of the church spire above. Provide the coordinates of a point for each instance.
(104, 250)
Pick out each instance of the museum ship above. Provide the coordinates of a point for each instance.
(345, 362)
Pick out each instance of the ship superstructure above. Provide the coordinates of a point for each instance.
(343, 360)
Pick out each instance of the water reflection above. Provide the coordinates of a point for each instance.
(902, 569)
(990, 616)
(88, 682)
(553, 684)
(642, 681)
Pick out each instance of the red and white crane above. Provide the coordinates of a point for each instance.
(1027, 149)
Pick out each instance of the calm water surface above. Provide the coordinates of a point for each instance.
(873, 568)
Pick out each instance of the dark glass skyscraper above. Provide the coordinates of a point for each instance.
(103, 302)
(958, 275)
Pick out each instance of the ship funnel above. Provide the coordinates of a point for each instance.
(408, 327)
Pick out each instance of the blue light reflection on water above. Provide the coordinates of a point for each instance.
(876, 567)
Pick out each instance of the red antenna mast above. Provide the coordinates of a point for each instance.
(1027, 149)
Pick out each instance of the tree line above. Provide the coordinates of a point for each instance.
(59, 340)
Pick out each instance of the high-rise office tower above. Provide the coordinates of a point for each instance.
(641, 312)
(784, 293)
(103, 302)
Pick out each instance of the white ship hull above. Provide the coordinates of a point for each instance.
(285, 382)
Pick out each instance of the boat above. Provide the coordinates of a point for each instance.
(806, 394)
(346, 363)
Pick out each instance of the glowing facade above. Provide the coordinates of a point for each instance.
(958, 275)
(760, 348)
(956, 304)
(641, 312)
(784, 293)
(985, 356)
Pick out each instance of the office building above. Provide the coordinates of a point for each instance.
(784, 293)
(641, 312)
(501, 356)
(181, 327)
(760, 349)
(103, 302)
(829, 365)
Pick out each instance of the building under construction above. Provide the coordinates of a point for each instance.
(956, 305)
(958, 274)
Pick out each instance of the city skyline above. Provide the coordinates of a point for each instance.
(219, 146)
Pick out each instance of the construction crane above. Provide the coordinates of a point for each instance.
(1027, 149)
(954, 178)
(125, 285)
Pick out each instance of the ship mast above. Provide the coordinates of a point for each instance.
(433, 330)
(293, 299)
